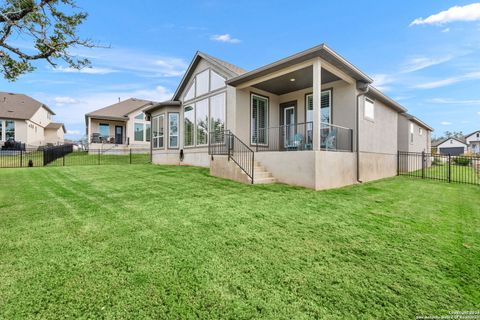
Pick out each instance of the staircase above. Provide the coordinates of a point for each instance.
(261, 175)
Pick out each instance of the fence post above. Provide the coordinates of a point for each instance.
(130, 156)
(449, 168)
(398, 162)
(63, 159)
(423, 164)
(21, 158)
(228, 146)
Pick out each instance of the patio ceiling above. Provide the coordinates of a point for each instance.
(303, 79)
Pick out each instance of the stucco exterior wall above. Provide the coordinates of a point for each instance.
(95, 127)
(334, 169)
(53, 136)
(374, 166)
(295, 168)
(420, 143)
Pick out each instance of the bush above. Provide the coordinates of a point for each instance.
(437, 161)
(462, 161)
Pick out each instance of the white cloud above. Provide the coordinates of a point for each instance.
(448, 81)
(454, 101)
(74, 132)
(381, 81)
(470, 12)
(478, 113)
(132, 61)
(224, 38)
(60, 101)
(445, 123)
(446, 30)
(421, 62)
(87, 70)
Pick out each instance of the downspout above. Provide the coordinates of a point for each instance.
(363, 88)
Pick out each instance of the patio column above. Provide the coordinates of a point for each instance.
(89, 131)
(317, 96)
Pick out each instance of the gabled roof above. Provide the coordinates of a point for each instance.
(19, 106)
(168, 103)
(471, 134)
(322, 51)
(417, 121)
(230, 69)
(120, 110)
(56, 126)
(436, 144)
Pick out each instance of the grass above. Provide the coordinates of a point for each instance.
(172, 242)
(458, 173)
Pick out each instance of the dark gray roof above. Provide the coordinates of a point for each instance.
(322, 51)
(19, 106)
(120, 110)
(56, 126)
(437, 143)
(158, 105)
(418, 121)
(230, 69)
(377, 94)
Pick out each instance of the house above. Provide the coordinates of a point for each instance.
(312, 119)
(28, 121)
(451, 146)
(122, 124)
(473, 142)
(413, 134)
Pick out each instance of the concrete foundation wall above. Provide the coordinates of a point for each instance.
(296, 168)
(196, 157)
(222, 168)
(374, 166)
(334, 169)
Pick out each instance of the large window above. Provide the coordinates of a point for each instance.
(203, 83)
(259, 119)
(147, 132)
(201, 117)
(157, 131)
(104, 130)
(325, 107)
(138, 132)
(173, 130)
(217, 116)
(411, 132)
(188, 126)
(369, 109)
(9, 129)
(1, 130)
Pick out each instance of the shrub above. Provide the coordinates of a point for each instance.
(462, 161)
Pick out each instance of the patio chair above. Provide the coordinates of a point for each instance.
(296, 143)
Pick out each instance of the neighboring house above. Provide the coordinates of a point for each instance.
(451, 146)
(55, 133)
(121, 124)
(28, 121)
(311, 119)
(413, 134)
(473, 142)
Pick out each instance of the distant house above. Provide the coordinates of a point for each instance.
(451, 146)
(473, 141)
(26, 120)
(413, 134)
(121, 124)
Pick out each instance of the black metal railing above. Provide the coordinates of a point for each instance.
(98, 138)
(299, 137)
(458, 169)
(227, 144)
(64, 156)
(51, 154)
(335, 138)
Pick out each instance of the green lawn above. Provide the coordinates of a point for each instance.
(172, 242)
(462, 174)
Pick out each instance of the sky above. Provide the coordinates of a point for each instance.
(424, 54)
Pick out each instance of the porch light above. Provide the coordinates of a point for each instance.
(292, 79)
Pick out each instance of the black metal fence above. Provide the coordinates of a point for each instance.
(68, 156)
(457, 169)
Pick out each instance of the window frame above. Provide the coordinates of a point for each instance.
(365, 116)
(307, 95)
(100, 130)
(192, 105)
(207, 99)
(224, 93)
(159, 119)
(252, 96)
(169, 131)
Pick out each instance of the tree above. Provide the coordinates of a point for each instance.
(51, 28)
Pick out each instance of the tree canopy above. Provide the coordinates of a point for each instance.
(32, 30)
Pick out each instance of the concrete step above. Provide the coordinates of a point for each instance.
(262, 174)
